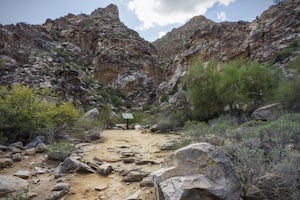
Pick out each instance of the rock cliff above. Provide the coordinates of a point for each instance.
(82, 57)
(259, 40)
(70, 52)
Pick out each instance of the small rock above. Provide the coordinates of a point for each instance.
(5, 162)
(68, 165)
(40, 147)
(147, 182)
(145, 162)
(40, 170)
(17, 157)
(84, 168)
(61, 186)
(135, 176)
(154, 128)
(18, 145)
(91, 135)
(30, 151)
(98, 160)
(101, 188)
(128, 160)
(135, 196)
(22, 174)
(104, 169)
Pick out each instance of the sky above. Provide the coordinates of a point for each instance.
(150, 18)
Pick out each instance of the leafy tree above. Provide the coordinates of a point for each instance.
(240, 85)
(202, 91)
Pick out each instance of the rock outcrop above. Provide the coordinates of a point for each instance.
(70, 54)
(197, 172)
(260, 40)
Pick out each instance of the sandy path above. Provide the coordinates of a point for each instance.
(145, 146)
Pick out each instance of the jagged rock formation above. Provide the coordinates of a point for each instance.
(66, 53)
(197, 171)
(259, 40)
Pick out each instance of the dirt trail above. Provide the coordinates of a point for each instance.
(144, 146)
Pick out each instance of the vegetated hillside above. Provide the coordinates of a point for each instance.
(81, 57)
(275, 30)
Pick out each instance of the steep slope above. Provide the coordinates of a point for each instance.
(176, 40)
(69, 52)
(273, 31)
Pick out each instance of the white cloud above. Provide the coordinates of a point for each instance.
(164, 12)
(221, 16)
(162, 33)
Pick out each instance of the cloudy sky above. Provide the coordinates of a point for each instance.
(151, 18)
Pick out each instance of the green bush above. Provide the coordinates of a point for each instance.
(60, 150)
(23, 114)
(241, 86)
(289, 88)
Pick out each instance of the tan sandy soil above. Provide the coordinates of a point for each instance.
(95, 186)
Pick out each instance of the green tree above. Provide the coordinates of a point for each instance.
(202, 91)
(240, 85)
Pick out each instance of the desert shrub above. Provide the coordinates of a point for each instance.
(241, 86)
(84, 125)
(142, 118)
(23, 114)
(60, 150)
(282, 131)
(264, 175)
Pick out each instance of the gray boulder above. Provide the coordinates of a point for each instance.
(17, 157)
(5, 162)
(92, 135)
(197, 172)
(104, 169)
(35, 142)
(91, 115)
(18, 145)
(135, 176)
(9, 184)
(24, 174)
(268, 112)
(72, 165)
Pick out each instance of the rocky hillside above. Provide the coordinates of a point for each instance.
(68, 54)
(274, 30)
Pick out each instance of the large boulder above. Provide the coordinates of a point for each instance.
(10, 184)
(268, 112)
(197, 171)
(91, 115)
(35, 142)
